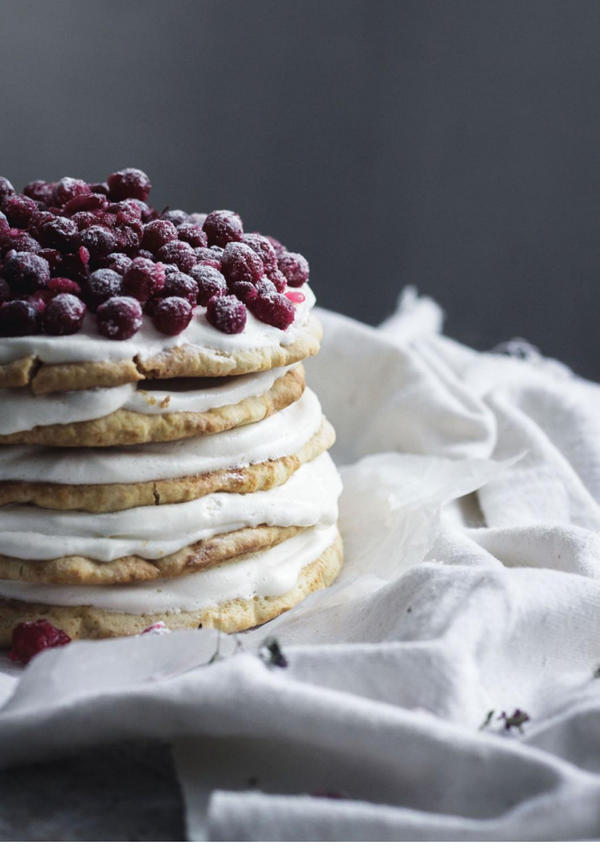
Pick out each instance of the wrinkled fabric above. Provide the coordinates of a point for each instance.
(471, 525)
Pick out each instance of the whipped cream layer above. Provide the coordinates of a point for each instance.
(22, 410)
(268, 573)
(89, 346)
(281, 434)
(309, 497)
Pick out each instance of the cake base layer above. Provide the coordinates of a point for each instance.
(85, 622)
(125, 427)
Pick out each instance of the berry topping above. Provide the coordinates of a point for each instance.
(175, 216)
(57, 232)
(171, 315)
(278, 280)
(18, 318)
(157, 233)
(223, 226)
(273, 308)
(226, 313)
(240, 262)
(294, 267)
(32, 637)
(64, 315)
(68, 188)
(119, 262)
(40, 190)
(178, 284)
(210, 282)
(26, 272)
(102, 285)
(295, 296)
(143, 279)
(19, 210)
(62, 285)
(129, 182)
(119, 317)
(207, 256)
(243, 290)
(6, 189)
(98, 240)
(178, 253)
(192, 234)
(264, 248)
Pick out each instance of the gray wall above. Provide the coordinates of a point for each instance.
(452, 145)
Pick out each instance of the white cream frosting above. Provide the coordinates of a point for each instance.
(22, 410)
(309, 497)
(281, 434)
(89, 346)
(268, 573)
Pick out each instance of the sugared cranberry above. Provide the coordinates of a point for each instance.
(294, 268)
(25, 272)
(178, 284)
(175, 216)
(265, 286)
(207, 256)
(222, 226)
(68, 188)
(210, 282)
(64, 315)
(100, 241)
(19, 209)
(130, 182)
(58, 232)
(277, 246)
(145, 254)
(19, 240)
(6, 189)
(157, 233)
(244, 290)
(171, 315)
(84, 203)
(127, 209)
(100, 188)
(143, 279)
(178, 253)
(83, 254)
(119, 262)
(226, 313)
(119, 318)
(240, 262)
(102, 285)
(4, 225)
(278, 280)
(18, 318)
(32, 637)
(40, 190)
(295, 296)
(63, 285)
(147, 213)
(273, 308)
(129, 235)
(264, 248)
(198, 218)
(84, 220)
(192, 234)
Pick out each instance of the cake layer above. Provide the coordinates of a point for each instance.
(148, 416)
(240, 594)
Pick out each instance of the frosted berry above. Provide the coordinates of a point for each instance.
(175, 216)
(210, 282)
(19, 209)
(265, 286)
(84, 203)
(127, 210)
(192, 234)
(223, 226)
(143, 279)
(178, 284)
(40, 190)
(157, 233)
(119, 317)
(64, 315)
(6, 189)
(58, 232)
(277, 246)
(118, 262)
(31, 637)
(63, 285)
(244, 290)
(294, 267)
(273, 308)
(26, 272)
(84, 220)
(128, 235)
(240, 262)
(264, 248)
(198, 218)
(130, 182)
(178, 253)
(99, 241)
(278, 280)
(207, 256)
(19, 240)
(227, 314)
(68, 188)
(171, 315)
(18, 318)
(102, 285)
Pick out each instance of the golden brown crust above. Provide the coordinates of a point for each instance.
(124, 427)
(182, 361)
(118, 496)
(81, 570)
(231, 616)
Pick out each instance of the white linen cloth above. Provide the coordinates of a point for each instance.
(449, 606)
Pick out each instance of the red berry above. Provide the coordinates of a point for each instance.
(178, 253)
(130, 182)
(6, 189)
(264, 248)
(58, 232)
(98, 240)
(178, 284)
(31, 637)
(119, 317)
(226, 313)
(278, 280)
(39, 300)
(128, 235)
(68, 188)
(295, 296)
(40, 190)
(119, 262)
(192, 234)
(171, 315)
(157, 233)
(244, 290)
(294, 267)
(26, 272)
(84, 220)
(143, 279)
(84, 203)
(63, 285)
(273, 308)
(223, 226)
(64, 315)
(21, 241)
(240, 262)
(210, 282)
(19, 210)
(18, 318)
(175, 216)
(207, 256)
(84, 255)
(102, 285)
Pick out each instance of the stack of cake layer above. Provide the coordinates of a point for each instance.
(183, 479)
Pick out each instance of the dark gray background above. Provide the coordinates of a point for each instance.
(451, 145)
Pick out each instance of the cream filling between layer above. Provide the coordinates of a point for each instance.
(309, 497)
(89, 346)
(21, 410)
(267, 573)
(281, 434)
